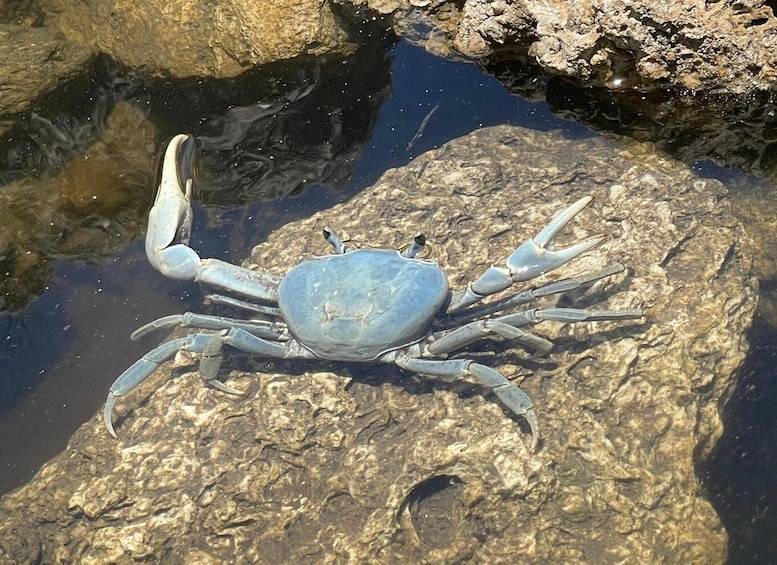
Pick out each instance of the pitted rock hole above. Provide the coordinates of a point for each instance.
(439, 514)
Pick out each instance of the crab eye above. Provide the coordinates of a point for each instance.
(336, 243)
(418, 243)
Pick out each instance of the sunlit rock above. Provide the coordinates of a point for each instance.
(193, 38)
(353, 463)
(718, 46)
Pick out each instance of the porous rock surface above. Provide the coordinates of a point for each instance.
(722, 46)
(363, 464)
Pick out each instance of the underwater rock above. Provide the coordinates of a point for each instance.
(93, 206)
(195, 38)
(323, 462)
(755, 204)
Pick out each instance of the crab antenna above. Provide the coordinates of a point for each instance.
(417, 245)
(334, 241)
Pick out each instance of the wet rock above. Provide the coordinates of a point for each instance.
(624, 43)
(756, 206)
(199, 38)
(734, 131)
(356, 463)
(34, 61)
(718, 46)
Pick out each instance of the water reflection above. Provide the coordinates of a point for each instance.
(88, 210)
(734, 131)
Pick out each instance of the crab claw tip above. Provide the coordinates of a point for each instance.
(547, 234)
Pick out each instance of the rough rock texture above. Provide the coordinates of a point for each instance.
(697, 46)
(35, 61)
(365, 464)
(190, 37)
(722, 46)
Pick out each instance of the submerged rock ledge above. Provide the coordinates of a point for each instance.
(357, 464)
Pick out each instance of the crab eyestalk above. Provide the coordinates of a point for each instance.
(416, 246)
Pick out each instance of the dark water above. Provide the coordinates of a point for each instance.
(63, 350)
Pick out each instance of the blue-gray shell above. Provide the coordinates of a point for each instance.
(358, 305)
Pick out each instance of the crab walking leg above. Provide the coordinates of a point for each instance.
(267, 330)
(533, 258)
(212, 353)
(169, 230)
(507, 326)
(243, 305)
(450, 370)
(475, 331)
(568, 315)
(145, 366)
(530, 294)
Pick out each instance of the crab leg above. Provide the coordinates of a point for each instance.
(145, 366)
(480, 329)
(169, 230)
(260, 328)
(530, 294)
(450, 370)
(533, 258)
(569, 315)
(507, 326)
(212, 354)
(247, 341)
(243, 305)
(210, 345)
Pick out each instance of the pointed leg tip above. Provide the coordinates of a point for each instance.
(107, 412)
(531, 418)
(215, 383)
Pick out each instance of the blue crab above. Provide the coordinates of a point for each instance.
(360, 305)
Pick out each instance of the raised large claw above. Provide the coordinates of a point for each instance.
(533, 258)
(170, 219)
(169, 228)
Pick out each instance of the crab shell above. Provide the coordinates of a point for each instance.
(361, 304)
